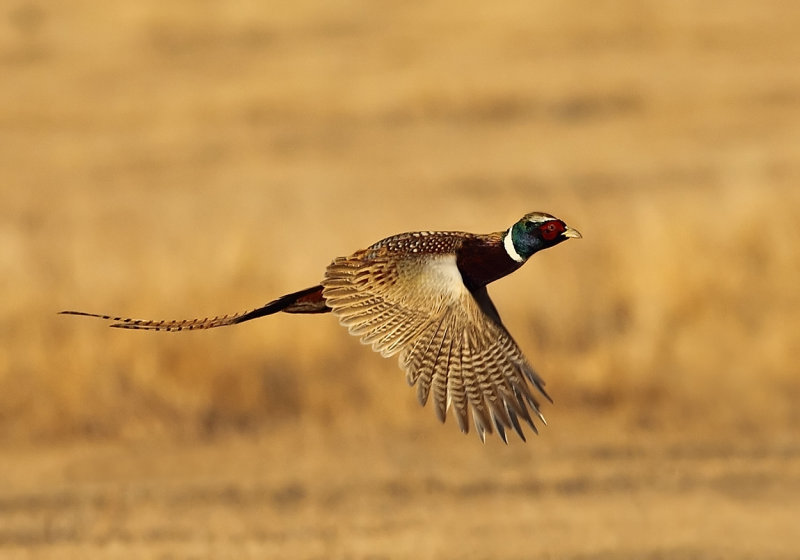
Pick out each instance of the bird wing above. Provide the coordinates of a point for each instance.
(450, 340)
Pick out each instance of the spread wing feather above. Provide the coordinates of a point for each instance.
(451, 342)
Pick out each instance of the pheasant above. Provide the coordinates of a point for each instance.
(422, 295)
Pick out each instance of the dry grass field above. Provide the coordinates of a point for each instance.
(179, 159)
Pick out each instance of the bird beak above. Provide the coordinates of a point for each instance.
(570, 232)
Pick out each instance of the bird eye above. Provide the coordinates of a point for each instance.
(551, 229)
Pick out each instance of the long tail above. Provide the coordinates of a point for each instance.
(309, 300)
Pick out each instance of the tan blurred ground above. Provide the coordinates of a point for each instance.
(176, 159)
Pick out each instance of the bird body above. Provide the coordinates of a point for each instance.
(422, 296)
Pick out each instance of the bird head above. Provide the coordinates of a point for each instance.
(534, 232)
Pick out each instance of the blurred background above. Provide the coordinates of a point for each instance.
(181, 159)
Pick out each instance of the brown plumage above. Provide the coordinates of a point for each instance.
(422, 296)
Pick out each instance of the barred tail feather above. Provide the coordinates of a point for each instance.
(305, 301)
(159, 325)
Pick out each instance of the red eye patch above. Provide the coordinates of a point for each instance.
(552, 229)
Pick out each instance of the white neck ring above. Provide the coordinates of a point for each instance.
(508, 243)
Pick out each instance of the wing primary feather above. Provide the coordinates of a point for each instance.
(457, 390)
(524, 409)
(439, 381)
(501, 430)
(477, 392)
(428, 364)
(515, 423)
(480, 427)
(536, 381)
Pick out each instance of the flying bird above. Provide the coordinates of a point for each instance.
(422, 295)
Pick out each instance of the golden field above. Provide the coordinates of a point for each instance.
(169, 160)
